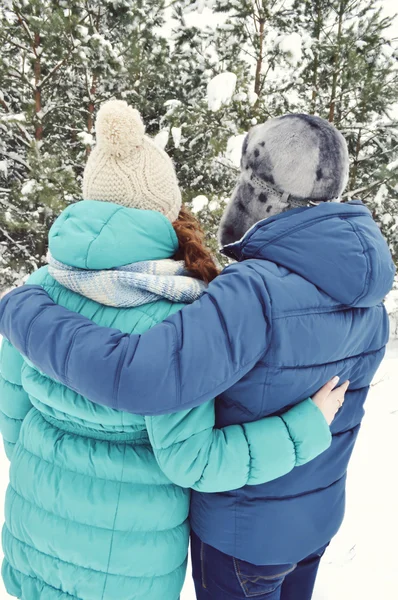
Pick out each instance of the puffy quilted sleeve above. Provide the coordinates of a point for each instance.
(14, 401)
(192, 453)
(186, 360)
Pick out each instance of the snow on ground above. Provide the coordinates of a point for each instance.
(361, 562)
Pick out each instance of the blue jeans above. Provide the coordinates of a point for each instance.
(218, 576)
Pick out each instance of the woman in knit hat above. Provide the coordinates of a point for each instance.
(98, 502)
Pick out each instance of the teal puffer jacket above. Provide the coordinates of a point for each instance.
(98, 501)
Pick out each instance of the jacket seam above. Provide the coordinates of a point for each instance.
(349, 430)
(43, 581)
(300, 227)
(302, 494)
(202, 476)
(264, 388)
(59, 287)
(100, 231)
(90, 569)
(11, 383)
(310, 311)
(207, 429)
(249, 453)
(176, 359)
(170, 231)
(366, 257)
(118, 377)
(29, 330)
(287, 368)
(224, 327)
(139, 436)
(261, 299)
(82, 523)
(47, 381)
(95, 477)
(16, 419)
(114, 524)
(293, 440)
(142, 317)
(72, 343)
(254, 360)
(110, 437)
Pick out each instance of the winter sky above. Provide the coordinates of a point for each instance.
(206, 17)
(391, 8)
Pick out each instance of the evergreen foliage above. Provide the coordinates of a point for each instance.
(61, 59)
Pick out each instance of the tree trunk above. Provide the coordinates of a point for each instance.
(93, 89)
(354, 172)
(37, 92)
(91, 108)
(332, 107)
(316, 57)
(259, 66)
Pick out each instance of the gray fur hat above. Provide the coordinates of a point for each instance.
(287, 162)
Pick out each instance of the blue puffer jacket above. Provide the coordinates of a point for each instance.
(303, 303)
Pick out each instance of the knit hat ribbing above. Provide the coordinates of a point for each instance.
(126, 167)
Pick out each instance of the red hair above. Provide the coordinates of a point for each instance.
(192, 247)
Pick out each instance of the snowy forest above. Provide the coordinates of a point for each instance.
(201, 72)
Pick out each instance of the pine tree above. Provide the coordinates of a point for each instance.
(353, 82)
(37, 45)
(60, 60)
(334, 59)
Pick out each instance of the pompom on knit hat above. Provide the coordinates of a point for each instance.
(289, 162)
(127, 167)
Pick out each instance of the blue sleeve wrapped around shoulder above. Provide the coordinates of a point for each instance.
(191, 357)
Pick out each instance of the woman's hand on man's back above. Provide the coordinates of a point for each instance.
(330, 398)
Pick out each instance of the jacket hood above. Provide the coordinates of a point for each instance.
(337, 247)
(102, 235)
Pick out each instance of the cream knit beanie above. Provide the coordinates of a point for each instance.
(127, 167)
